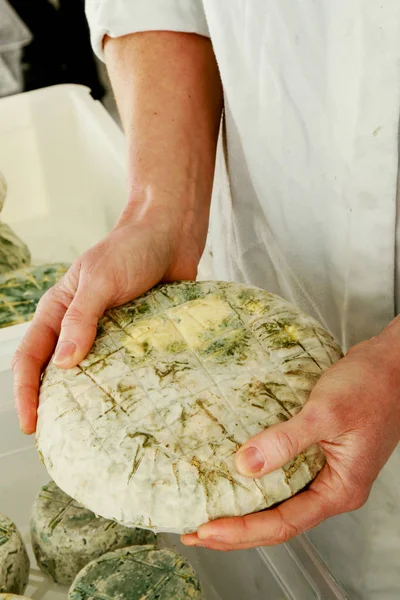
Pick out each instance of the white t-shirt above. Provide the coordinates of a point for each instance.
(307, 205)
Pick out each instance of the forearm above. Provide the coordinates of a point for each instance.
(169, 96)
(388, 341)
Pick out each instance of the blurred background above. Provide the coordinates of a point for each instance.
(36, 49)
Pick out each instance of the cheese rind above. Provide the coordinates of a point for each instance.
(136, 573)
(3, 190)
(14, 561)
(66, 536)
(21, 290)
(146, 428)
(14, 253)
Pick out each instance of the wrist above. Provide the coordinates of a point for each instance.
(180, 220)
(171, 209)
(388, 349)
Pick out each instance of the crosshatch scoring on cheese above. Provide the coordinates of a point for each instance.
(145, 429)
(138, 572)
(66, 536)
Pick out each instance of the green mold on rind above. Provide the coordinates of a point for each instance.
(137, 573)
(3, 190)
(146, 428)
(14, 561)
(14, 253)
(66, 536)
(21, 290)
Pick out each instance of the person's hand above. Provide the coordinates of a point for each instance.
(354, 413)
(137, 254)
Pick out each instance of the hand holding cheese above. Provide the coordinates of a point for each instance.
(171, 120)
(354, 414)
(145, 429)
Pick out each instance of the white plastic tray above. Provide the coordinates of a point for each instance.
(63, 157)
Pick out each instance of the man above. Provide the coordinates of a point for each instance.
(311, 97)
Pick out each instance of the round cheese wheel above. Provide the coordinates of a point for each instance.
(137, 573)
(14, 253)
(66, 536)
(3, 190)
(146, 428)
(20, 291)
(14, 561)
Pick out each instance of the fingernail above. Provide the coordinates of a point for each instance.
(208, 532)
(64, 353)
(250, 461)
(25, 428)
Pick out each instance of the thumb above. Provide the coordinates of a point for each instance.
(276, 446)
(79, 326)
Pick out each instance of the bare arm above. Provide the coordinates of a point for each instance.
(169, 94)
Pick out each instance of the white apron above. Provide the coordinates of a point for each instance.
(307, 207)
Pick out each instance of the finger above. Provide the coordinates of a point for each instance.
(192, 540)
(79, 325)
(324, 499)
(34, 352)
(276, 446)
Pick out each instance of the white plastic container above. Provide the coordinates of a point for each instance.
(63, 157)
(14, 35)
